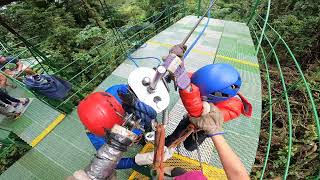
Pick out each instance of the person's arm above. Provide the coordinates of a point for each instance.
(191, 99)
(230, 161)
(212, 123)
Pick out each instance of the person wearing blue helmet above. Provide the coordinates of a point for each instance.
(215, 85)
(217, 82)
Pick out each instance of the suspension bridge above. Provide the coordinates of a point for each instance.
(58, 139)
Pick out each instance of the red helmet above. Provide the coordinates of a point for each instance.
(100, 111)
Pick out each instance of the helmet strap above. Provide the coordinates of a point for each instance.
(204, 98)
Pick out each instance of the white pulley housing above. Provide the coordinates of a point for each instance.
(159, 98)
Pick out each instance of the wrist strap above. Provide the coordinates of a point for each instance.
(215, 134)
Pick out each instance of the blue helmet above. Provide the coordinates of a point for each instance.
(217, 82)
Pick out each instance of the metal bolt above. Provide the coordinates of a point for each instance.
(146, 81)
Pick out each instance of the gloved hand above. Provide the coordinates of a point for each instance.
(175, 65)
(147, 158)
(210, 122)
(178, 50)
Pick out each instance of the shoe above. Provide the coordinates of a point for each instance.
(15, 105)
(26, 101)
(16, 115)
(183, 124)
(190, 143)
(13, 86)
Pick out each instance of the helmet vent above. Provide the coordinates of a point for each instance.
(220, 94)
(234, 86)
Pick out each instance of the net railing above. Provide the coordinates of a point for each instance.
(269, 46)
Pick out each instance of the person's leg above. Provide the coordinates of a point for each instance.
(3, 81)
(8, 111)
(183, 124)
(4, 97)
(191, 144)
(9, 72)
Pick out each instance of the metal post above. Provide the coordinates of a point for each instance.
(199, 8)
(184, 8)
(165, 117)
(161, 70)
(253, 11)
(264, 27)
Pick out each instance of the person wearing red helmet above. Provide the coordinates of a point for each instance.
(210, 122)
(100, 111)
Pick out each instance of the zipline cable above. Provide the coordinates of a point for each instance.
(198, 22)
(142, 58)
(208, 12)
(212, 2)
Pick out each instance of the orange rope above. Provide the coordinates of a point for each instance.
(183, 136)
(160, 143)
(159, 153)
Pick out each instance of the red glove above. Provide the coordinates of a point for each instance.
(192, 101)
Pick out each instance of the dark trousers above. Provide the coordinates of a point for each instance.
(190, 143)
(4, 97)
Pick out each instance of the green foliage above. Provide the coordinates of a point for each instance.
(133, 11)
(12, 149)
(233, 10)
(297, 22)
(79, 37)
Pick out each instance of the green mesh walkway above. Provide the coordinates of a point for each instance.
(67, 149)
(63, 151)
